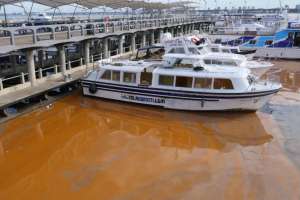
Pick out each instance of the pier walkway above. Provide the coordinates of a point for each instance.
(16, 38)
(52, 81)
(31, 40)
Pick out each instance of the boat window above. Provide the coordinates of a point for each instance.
(225, 50)
(238, 42)
(229, 63)
(220, 83)
(208, 62)
(183, 65)
(297, 39)
(216, 62)
(146, 78)
(290, 35)
(204, 83)
(215, 50)
(115, 75)
(151, 53)
(172, 50)
(194, 51)
(218, 41)
(129, 77)
(269, 42)
(252, 42)
(177, 50)
(234, 51)
(166, 80)
(106, 75)
(182, 81)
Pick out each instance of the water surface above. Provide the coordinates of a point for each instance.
(84, 148)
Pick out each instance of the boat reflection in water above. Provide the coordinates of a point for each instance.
(82, 148)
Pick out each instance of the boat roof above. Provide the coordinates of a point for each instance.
(209, 71)
(130, 66)
(210, 55)
(213, 55)
(213, 72)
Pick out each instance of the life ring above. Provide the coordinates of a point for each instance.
(93, 88)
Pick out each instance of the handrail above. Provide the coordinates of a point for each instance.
(87, 28)
(94, 58)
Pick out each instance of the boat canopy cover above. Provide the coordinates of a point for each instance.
(134, 4)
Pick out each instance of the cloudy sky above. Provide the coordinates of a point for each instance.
(204, 4)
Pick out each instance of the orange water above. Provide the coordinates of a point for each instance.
(83, 148)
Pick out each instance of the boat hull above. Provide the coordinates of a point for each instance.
(283, 53)
(179, 102)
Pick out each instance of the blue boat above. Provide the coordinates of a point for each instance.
(284, 44)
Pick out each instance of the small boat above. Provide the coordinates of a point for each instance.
(202, 39)
(179, 86)
(182, 47)
(283, 44)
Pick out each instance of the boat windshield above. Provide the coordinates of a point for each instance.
(203, 50)
(194, 51)
(154, 53)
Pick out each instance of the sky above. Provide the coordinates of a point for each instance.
(203, 4)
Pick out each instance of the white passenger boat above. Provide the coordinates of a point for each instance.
(204, 40)
(184, 48)
(195, 88)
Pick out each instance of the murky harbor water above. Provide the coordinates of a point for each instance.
(84, 148)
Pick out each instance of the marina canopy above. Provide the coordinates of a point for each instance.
(133, 4)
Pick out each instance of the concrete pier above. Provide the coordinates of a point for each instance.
(182, 29)
(160, 34)
(133, 42)
(31, 66)
(144, 39)
(152, 37)
(105, 46)
(121, 43)
(86, 52)
(77, 43)
(172, 31)
(62, 59)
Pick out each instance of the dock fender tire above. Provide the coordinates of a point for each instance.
(93, 88)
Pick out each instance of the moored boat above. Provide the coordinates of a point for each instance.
(195, 87)
(184, 48)
(283, 44)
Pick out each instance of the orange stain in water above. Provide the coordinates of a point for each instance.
(83, 148)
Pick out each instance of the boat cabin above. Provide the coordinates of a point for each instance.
(210, 59)
(176, 78)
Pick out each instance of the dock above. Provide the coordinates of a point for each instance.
(33, 42)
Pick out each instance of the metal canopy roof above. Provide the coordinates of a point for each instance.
(134, 4)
